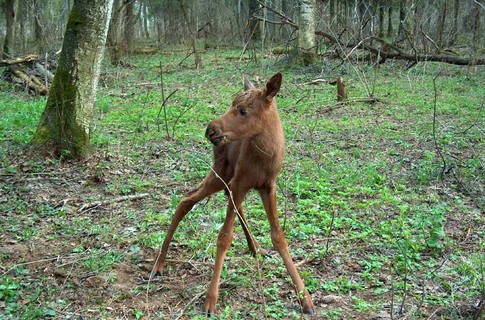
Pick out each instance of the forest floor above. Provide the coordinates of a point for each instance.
(382, 204)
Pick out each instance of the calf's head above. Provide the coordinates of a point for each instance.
(248, 115)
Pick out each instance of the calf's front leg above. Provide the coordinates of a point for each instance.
(209, 185)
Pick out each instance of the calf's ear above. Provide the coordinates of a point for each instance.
(247, 84)
(273, 86)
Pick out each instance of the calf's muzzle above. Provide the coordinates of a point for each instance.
(214, 133)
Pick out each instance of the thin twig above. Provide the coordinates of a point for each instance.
(29, 263)
(330, 229)
(163, 106)
(435, 139)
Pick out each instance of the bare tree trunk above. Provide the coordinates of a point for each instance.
(8, 50)
(306, 33)
(253, 23)
(65, 126)
(347, 13)
(477, 24)
(381, 19)
(21, 19)
(390, 29)
(38, 28)
(402, 17)
(145, 21)
(115, 47)
(365, 18)
(193, 35)
(273, 30)
(156, 10)
(454, 30)
(129, 33)
(332, 12)
(441, 24)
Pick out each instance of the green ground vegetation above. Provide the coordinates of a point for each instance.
(382, 203)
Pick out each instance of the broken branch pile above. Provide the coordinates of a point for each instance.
(30, 72)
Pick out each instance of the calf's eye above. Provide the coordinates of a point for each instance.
(243, 112)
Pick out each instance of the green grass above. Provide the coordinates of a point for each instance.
(371, 210)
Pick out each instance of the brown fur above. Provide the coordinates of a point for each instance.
(248, 154)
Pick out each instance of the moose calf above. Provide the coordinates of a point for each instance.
(248, 154)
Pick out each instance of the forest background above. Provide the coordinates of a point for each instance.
(382, 191)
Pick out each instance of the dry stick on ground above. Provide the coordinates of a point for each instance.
(392, 290)
(28, 263)
(314, 82)
(95, 204)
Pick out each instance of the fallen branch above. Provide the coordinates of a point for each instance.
(42, 70)
(314, 82)
(27, 58)
(419, 57)
(29, 80)
(396, 53)
(95, 204)
(30, 72)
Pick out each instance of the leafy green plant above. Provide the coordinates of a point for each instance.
(9, 290)
(100, 260)
(137, 314)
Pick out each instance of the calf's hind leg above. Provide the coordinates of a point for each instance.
(268, 195)
(209, 185)
(252, 243)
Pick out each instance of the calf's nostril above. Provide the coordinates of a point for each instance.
(213, 130)
(210, 133)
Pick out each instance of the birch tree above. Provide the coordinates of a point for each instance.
(65, 125)
(306, 33)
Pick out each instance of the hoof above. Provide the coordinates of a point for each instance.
(264, 253)
(154, 272)
(310, 312)
(208, 313)
(209, 308)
